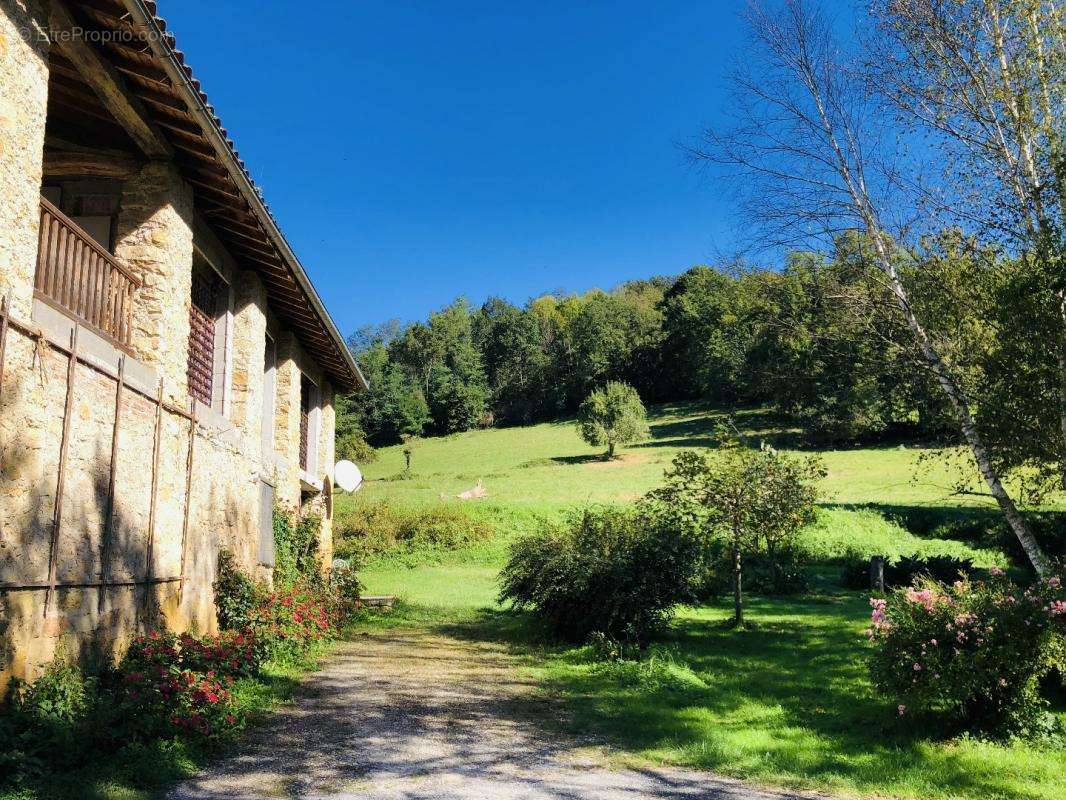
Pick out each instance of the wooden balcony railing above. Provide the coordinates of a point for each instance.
(81, 278)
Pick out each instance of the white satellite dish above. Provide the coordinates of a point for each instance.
(347, 476)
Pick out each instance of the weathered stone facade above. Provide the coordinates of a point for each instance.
(141, 517)
(249, 335)
(154, 232)
(23, 104)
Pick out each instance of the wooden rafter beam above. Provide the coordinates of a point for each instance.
(108, 85)
(86, 164)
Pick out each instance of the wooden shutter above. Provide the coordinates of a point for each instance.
(202, 337)
(266, 524)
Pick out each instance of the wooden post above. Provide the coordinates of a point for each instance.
(64, 447)
(877, 573)
(5, 310)
(188, 492)
(149, 555)
(109, 520)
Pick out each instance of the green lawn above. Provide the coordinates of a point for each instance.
(789, 703)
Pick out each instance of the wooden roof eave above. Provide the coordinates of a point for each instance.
(163, 86)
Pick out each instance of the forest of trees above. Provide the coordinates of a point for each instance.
(798, 338)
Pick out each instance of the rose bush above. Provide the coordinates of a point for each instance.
(165, 694)
(971, 654)
(181, 684)
(171, 686)
(287, 621)
(231, 653)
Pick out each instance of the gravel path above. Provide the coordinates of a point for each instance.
(414, 715)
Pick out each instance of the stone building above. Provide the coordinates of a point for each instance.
(167, 370)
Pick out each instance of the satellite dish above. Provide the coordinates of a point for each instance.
(347, 476)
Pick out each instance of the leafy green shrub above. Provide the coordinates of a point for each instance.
(618, 572)
(373, 529)
(906, 570)
(60, 696)
(47, 723)
(347, 591)
(970, 654)
(236, 594)
(296, 556)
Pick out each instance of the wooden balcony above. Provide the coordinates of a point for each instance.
(80, 278)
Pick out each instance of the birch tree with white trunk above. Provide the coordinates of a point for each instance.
(812, 158)
(987, 79)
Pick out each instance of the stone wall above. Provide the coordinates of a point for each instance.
(23, 103)
(249, 338)
(221, 500)
(223, 509)
(294, 494)
(154, 238)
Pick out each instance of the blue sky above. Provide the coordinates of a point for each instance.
(415, 151)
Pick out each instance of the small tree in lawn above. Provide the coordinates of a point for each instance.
(612, 416)
(758, 499)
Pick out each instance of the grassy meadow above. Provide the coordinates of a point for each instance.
(547, 467)
(787, 704)
(544, 471)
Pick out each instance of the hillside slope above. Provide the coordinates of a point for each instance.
(548, 466)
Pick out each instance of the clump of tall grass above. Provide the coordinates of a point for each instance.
(843, 535)
(368, 530)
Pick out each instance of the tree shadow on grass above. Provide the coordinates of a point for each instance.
(699, 428)
(791, 699)
(518, 631)
(697, 424)
(589, 458)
